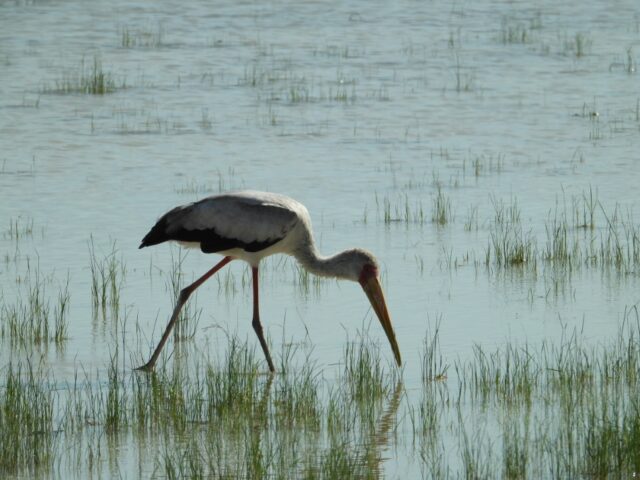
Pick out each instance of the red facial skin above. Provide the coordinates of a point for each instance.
(367, 272)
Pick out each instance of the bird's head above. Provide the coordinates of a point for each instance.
(355, 264)
(366, 271)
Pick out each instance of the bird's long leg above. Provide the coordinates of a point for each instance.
(257, 326)
(182, 298)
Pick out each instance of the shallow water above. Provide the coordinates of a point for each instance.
(343, 107)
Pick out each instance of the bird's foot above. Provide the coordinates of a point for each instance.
(147, 367)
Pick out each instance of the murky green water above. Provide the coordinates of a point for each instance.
(360, 111)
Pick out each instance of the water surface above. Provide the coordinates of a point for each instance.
(343, 107)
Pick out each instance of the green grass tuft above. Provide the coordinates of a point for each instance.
(88, 80)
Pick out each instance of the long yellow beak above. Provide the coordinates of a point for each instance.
(372, 288)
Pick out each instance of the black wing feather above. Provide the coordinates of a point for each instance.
(210, 241)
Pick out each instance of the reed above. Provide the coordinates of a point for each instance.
(509, 245)
(441, 211)
(89, 79)
(32, 319)
(27, 436)
(107, 279)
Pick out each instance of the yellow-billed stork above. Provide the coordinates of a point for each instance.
(249, 226)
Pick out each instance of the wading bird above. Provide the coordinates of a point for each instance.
(252, 225)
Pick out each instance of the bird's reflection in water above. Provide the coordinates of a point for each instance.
(258, 423)
(381, 439)
(261, 418)
(388, 418)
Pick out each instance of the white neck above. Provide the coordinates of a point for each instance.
(337, 265)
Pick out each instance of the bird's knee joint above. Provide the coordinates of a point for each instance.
(257, 326)
(184, 294)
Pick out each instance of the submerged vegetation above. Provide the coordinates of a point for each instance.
(580, 233)
(562, 408)
(190, 314)
(107, 277)
(559, 409)
(510, 245)
(31, 318)
(89, 79)
(143, 37)
(583, 234)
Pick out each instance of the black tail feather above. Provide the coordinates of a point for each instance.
(157, 234)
